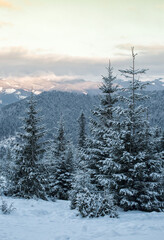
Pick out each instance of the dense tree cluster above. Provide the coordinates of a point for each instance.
(119, 164)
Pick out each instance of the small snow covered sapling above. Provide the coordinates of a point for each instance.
(5, 208)
(95, 205)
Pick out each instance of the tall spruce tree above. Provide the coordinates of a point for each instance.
(27, 181)
(61, 165)
(80, 179)
(81, 168)
(82, 130)
(104, 133)
(136, 173)
(93, 197)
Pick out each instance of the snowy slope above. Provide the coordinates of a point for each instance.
(11, 95)
(41, 220)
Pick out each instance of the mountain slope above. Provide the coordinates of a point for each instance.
(54, 104)
(11, 95)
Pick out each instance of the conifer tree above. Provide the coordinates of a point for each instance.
(137, 172)
(60, 140)
(104, 133)
(82, 133)
(61, 165)
(27, 182)
(80, 180)
(8, 169)
(97, 156)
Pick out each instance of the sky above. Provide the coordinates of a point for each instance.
(72, 40)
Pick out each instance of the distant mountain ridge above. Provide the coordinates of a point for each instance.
(155, 85)
(12, 93)
(53, 104)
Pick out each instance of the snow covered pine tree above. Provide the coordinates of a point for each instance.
(138, 171)
(27, 182)
(95, 200)
(61, 167)
(82, 133)
(81, 179)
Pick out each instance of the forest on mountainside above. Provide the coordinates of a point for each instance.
(54, 104)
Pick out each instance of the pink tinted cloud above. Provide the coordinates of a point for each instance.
(46, 82)
(5, 24)
(6, 4)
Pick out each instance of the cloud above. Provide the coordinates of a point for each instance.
(48, 82)
(41, 71)
(19, 61)
(5, 24)
(36, 70)
(6, 4)
(160, 6)
(143, 48)
(149, 56)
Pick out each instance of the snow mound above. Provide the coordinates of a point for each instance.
(42, 220)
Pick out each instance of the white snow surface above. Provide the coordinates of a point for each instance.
(10, 90)
(42, 220)
(22, 97)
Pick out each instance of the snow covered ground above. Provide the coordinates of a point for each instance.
(41, 220)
